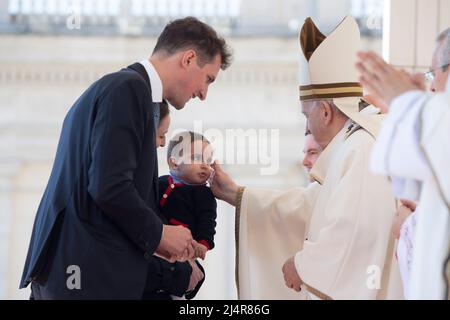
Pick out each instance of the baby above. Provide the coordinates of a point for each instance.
(185, 198)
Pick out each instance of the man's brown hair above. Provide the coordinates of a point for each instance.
(191, 33)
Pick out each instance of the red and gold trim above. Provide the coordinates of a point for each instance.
(330, 90)
(237, 222)
(319, 294)
(168, 191)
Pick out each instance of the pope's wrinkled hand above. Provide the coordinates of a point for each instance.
(222, 186)
(291, 277)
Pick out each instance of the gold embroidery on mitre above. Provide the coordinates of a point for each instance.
(331, 90)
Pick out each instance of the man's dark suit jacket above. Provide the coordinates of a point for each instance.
(99, 211)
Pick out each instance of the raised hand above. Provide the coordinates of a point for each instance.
(382, 80)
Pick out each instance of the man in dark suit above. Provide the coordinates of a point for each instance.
(98, 227)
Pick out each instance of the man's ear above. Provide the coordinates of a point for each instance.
(327, 112)
(188, 58)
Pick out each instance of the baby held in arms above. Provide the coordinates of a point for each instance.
(185, 198)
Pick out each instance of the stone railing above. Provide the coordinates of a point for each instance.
(39, 15)
(283, 74)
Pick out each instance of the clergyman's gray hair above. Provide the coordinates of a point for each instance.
(443, 41)
(331, 103)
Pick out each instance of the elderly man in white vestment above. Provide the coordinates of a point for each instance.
(413, 148)
(332, 240)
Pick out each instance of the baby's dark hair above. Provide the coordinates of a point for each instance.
(163, 110)
(191, 136)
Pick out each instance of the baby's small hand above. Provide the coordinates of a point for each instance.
(200, 250)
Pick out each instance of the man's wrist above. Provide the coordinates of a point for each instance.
(233, 195)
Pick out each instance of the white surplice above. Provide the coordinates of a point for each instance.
(338, 230)
(413, 148)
